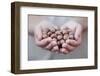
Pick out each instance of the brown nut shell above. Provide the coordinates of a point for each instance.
(59, 37)
(62, 41)
(64, 31)
(53, 30)
(58, 32)
(65, 37)
(49, 33)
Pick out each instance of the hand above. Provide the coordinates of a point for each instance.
(71, 44)
(47, 42)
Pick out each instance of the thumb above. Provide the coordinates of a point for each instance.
(38, 33)
(78, 32)
(64, 27)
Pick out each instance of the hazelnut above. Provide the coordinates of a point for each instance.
(52, 30)
(58, 43)
(58, 32)
(65, 37)
(49, 33)
(59, 37)
(62, 41)
(64, 31)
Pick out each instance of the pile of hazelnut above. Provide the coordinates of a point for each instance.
(59, 36)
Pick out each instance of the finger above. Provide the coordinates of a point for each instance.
(55, 49)
(64, 27)
(45, 28)
(78, 32)
(41, 27)
(38, 33)
(74, 42)
(51, 45)
(64, 51)
(43, 42)
(67, 46)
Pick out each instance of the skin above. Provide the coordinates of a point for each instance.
(49, 44)
(44, 26)
(78, 29)
(55, 49)
(63, 50)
